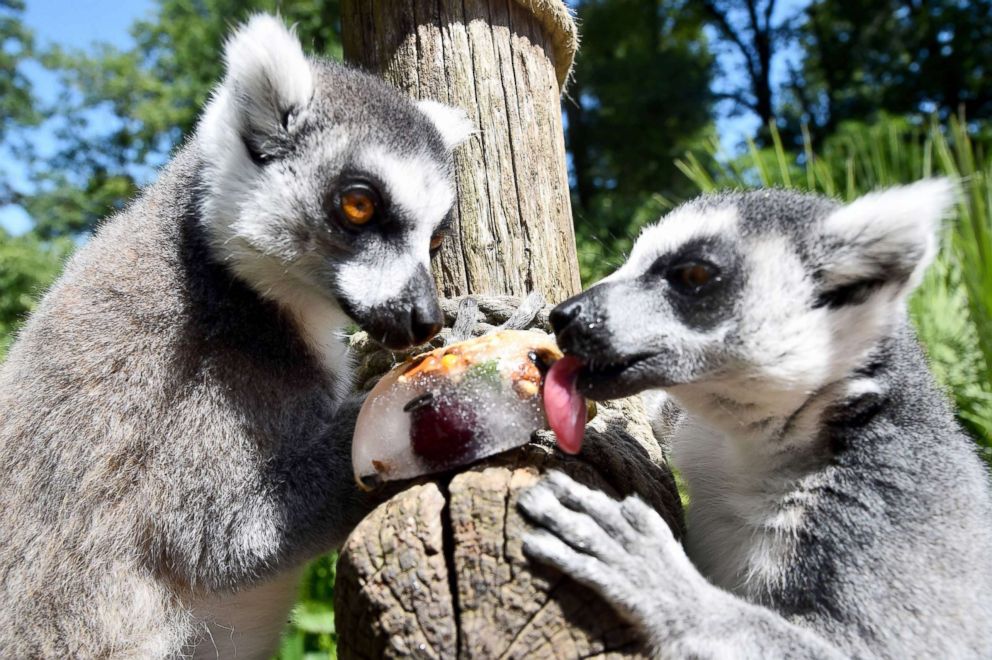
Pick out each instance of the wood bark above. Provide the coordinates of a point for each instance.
(437, 571)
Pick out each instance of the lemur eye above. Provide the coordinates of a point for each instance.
(436, 241)
(358, 204)
(693, 276)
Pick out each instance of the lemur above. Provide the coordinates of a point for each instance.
(175, 423)
(836, 508)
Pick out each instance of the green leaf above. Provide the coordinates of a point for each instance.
(314, 617)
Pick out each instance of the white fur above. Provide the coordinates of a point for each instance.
(764, 484)
(267, 72)
(898, 221)
(453, 123)
(266, 68)
(736, 521)
(228, 177)
(422, 192)
(249, 212)
(788, 354)
(369, 287)
(320, 318)
(678, 227)
(738, 446)
(245, 624)
(417, 184)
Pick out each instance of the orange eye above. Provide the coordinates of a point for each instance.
(436, 241)
(358, 206)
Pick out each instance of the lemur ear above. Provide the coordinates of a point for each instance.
(268, 78)
(453, 123)
(884, 238)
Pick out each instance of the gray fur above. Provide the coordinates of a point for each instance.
(836, 508)
(170, 437)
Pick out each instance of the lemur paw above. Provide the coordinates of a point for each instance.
(623, 550)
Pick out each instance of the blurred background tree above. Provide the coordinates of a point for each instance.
(120, 113)
(640, 97)
(899, 57)
(753, 35)
(669, 98)
(16, 100)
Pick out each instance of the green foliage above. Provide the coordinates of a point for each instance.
(894, 56)
(641, 97)
(746, 28)
(311, 634)
(605, 232)
(16, 46)
(952, 309)
(154, 92)
(27, 267)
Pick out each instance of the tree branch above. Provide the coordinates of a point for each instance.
(723, 25)
(769, 10)
(737, 98)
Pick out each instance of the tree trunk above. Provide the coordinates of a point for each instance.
(437, 570)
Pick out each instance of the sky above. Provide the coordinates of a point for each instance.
(73, 24)
(77, 24)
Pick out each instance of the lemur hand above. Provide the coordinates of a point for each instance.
(623, 550)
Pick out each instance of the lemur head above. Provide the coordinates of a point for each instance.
(765, 295)
(324, 187)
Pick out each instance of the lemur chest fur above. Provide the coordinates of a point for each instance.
(245, 624)
(743, 513)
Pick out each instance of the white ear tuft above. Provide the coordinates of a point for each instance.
(886, 236)
(267, 73)
(453, 123)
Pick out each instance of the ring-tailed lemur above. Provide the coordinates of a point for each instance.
(174, 429)
(836, 508)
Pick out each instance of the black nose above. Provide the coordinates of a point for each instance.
(425, 321)
(562, 315)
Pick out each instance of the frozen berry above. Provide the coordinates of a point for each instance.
(441, 432)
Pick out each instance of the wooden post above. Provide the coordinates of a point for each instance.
(504, 63)
(438, 570)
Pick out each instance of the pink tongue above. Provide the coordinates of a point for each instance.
(563, 405)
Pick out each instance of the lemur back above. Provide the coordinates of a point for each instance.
(175, 422)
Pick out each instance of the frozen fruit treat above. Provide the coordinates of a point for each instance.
(466, 401)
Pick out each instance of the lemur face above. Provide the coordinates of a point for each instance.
(324, 184)
(753, 295)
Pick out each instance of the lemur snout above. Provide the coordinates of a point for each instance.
(409, 318)
(566, 322)
(425, 322)
(400, 328)
(580, 325)
(562, 315)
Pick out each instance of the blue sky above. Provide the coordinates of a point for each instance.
(77, 24)
(73, 24)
